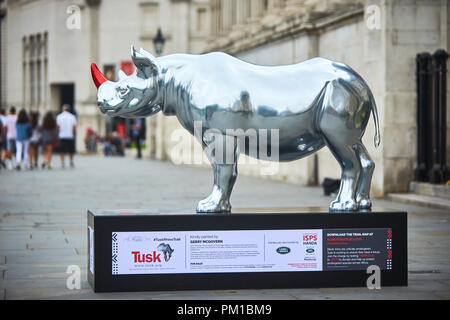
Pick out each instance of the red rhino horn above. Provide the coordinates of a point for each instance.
(97, 76)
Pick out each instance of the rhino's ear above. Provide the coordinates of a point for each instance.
(145, 63)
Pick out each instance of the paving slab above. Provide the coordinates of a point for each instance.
(422, 200)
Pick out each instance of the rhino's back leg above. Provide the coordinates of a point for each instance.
(365, 178)
(342, 130)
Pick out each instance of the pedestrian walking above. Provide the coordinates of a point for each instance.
(2, 116)
(49, 138)
(2, 139)
(66, 124)
(35, 140)
(23, 134)
(10, 133)
(136, 133)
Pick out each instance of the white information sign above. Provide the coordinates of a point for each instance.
(216, 251)
(91, 250)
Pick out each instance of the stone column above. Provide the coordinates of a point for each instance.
(226, 15)
(25, 70)
(242, 11)
(215, 18)
(275, 4)
(3, 70)
(256, 8)
(93, 39)
(45, 84)
(87, 111)
(393, 85)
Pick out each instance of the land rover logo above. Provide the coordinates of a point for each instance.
(310, 250)
(283, 250)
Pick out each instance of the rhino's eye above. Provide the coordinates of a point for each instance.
(123, 91)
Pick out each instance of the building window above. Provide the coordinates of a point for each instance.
(34, 61)
(201, 19)
(38, 83)
(150, 18)
(32, 82)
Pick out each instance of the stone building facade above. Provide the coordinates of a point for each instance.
(47, 47)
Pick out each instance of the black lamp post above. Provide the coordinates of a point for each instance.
(159, 41)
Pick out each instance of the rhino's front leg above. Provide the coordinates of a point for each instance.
(223, 154)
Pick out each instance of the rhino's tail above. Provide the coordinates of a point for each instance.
(377, 138)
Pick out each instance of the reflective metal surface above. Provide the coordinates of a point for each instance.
(310, 104)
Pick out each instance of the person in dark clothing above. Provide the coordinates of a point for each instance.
(23, 130)
(2, 140)
(136, 132)
(35, 140)
(49, 138)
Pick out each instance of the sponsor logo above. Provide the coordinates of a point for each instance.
(149, 257)
(309, 239)
(283, 250)
(310, 255)
(309, 259)
(154, 257)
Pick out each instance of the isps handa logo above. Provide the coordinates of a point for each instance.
(309, 239)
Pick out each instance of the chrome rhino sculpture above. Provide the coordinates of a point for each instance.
(311, 104)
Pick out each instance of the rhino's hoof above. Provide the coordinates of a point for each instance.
(365, 203)
(349, 205)
(208, 206)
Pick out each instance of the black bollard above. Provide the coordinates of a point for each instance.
(424, 94)
(439, 171)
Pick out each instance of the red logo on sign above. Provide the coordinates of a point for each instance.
(389, 254)
(310, 237)
(141, 258)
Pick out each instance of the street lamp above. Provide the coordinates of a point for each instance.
(159, 41)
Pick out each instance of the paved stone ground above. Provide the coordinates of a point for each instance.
(43, 228)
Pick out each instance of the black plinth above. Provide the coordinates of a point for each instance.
(136, 250)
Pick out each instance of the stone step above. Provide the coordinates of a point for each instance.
(428, 189)
(421, 200)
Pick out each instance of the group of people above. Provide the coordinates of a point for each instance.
(115, 142)
(21, 137)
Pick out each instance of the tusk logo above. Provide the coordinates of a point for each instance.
(166, 250)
